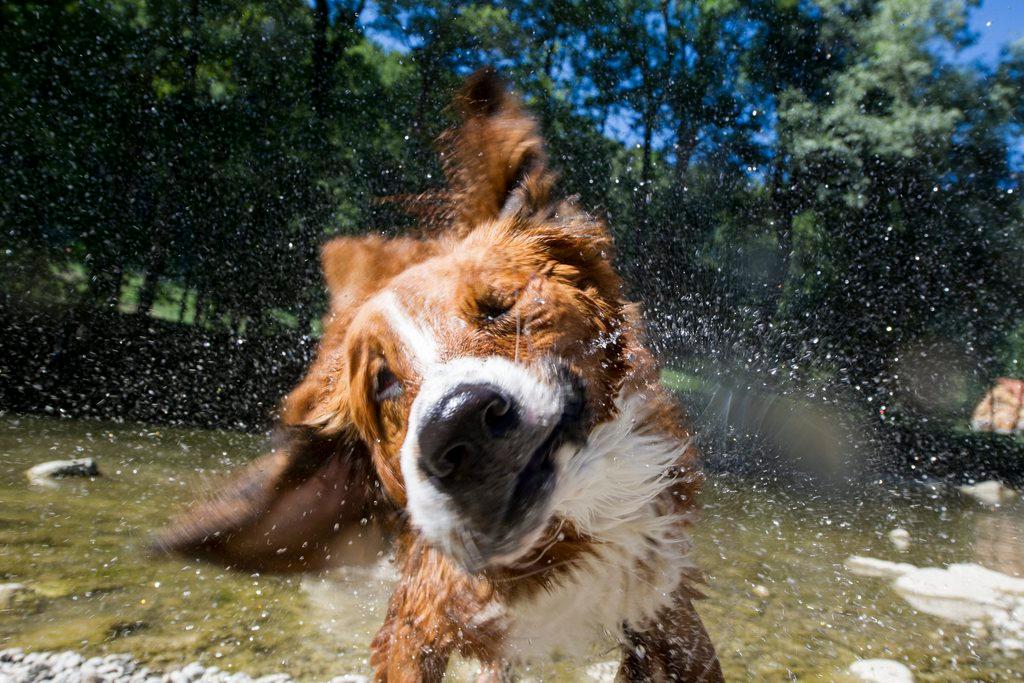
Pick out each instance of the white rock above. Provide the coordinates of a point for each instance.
(869, 566)
(962, 593)
(10, 592)
(43, 474)
(900, 538)
(989, 492)
(880, 671)
(1011, 645)
(761, 591)
(604, 672)
(350, 678)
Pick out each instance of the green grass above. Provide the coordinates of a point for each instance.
(681, 381)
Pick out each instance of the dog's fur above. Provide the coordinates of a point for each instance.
(518, 292)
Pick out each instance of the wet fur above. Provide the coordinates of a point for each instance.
(613, 561)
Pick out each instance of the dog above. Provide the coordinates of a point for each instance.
(483, 395)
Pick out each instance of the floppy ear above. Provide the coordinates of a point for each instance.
(495, 160)
(302, 507)
(357, 267)
(315, 499)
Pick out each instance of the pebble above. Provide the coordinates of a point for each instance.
(900, 538)
(603, 672)
(990, 492)
(869, 566)
(1011, 645)
(880, 671)
(44, 473)
(11, 593)
(761, 591)
(70, 667)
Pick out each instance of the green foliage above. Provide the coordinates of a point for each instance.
(815, 180)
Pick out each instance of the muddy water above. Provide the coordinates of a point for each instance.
(781, 605)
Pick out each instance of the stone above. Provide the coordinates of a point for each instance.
(869, 566)
(12, 594)
(761, 591)
(990, 492)
(1011, 645)
(604, 672)
(45, 473)
(962, 593)
(350, 678)
(900, 538)
(880, 671)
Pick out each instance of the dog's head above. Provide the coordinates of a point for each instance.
(458, 374)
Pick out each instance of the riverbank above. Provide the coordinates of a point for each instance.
(71, 667)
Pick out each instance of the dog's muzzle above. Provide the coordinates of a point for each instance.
(488, 457)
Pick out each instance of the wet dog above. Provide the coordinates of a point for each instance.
(484, 397)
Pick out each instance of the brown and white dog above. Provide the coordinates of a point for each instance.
(484, 396)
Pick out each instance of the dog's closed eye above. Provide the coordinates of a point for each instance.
(495, 306)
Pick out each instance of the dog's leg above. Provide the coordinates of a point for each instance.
(436, 609)
(674, 647)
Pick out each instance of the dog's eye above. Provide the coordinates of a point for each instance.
(385, 385)
(494, 307)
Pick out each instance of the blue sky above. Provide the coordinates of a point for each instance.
(996, 23)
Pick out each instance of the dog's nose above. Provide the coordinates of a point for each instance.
(469, 424)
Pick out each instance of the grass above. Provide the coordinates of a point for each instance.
(681, 381)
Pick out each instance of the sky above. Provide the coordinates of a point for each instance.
(996, 23)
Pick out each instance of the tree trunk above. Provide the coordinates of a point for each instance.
(321, 62)
(183, 307)
(686, 143)
(147, 293)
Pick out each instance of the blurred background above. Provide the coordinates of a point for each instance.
(817, 201)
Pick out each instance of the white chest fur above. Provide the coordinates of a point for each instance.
(609, 490)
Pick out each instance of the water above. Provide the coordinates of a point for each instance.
(780, 603)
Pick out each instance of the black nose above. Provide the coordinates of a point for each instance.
(463, 428)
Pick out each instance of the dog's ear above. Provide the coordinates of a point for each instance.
(315, 500)
(306, 505)
(357, 267)
(495, 159)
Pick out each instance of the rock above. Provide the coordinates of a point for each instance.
(989, 603)
(604, 672)
(900, 538)
(13, 593)
(1011, 645)
(880, 671)
(70, 667)
(869, 566)
(761, 591)
(989, 492)
(350, 678)
(963, 593)
(44, 473)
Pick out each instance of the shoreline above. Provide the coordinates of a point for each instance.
(68, 666)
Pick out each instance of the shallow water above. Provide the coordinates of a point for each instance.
(80, 547)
